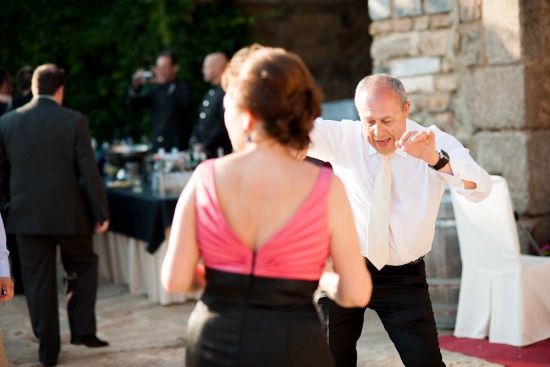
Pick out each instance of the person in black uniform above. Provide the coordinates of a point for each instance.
(171, 102)
(209, 133)
(24, 77)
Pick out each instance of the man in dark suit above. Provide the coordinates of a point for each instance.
(51, 193)
(170, 101)
(209, 132)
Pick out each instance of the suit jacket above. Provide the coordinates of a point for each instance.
(171, 105)
(49, 180)
(209, 130)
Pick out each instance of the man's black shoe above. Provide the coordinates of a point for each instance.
(91, 341)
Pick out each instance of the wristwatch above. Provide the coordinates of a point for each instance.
(442, 162)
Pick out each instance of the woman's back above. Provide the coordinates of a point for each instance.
(256, 223)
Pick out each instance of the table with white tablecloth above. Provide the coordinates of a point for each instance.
(132, 251)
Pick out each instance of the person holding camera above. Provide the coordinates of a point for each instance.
(170, 101)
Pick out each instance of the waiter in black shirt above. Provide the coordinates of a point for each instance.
(209, 133)
(170, 101)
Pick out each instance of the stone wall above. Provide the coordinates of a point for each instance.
(478, 69)
(331, 36)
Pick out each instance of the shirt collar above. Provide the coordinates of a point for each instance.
(45, 96)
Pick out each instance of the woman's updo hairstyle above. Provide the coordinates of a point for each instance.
(278, 90)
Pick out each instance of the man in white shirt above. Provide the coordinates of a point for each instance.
(422, 162)
(6, 285)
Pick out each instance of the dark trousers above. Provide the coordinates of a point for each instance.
(400, 298)
(38, 265)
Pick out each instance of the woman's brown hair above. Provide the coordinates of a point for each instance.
(278, 90)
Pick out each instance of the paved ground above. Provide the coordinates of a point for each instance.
(144, 334)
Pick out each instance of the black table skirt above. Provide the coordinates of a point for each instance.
(144, 215)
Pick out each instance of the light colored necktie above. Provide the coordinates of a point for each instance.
(378, 241)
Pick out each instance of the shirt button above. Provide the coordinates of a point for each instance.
(160, 139)
(205, 103)
(202, 115)
(211, 92)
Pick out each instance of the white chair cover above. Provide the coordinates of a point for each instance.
(503, 294)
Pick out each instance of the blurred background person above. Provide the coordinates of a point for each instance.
(24, 77)
(6, 285)
(209, 133)
(6, 90)
(264, 224)
(51, 194)
(170, 101)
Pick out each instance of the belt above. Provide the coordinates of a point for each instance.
(414, 262)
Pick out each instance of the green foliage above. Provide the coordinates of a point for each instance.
(100, 43)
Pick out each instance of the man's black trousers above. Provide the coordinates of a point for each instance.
(400, 298)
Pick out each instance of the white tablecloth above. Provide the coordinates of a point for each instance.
(124, 260)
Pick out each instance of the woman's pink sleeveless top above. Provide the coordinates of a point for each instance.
(297, 251)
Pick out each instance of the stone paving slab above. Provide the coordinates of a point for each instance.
(144, 334)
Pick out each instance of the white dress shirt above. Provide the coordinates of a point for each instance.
(4, 262)
(416, 188)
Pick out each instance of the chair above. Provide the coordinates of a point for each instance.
(503, 294)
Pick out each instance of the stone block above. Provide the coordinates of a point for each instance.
(393, 45)
(381, 69)
(445, 121)
(465, 103)
(538, 167)
(434, 43)
(379, 9)
(537, 96)
(381, 26)
(403, 25)
(415, 66)
(415, 103)
(418, 84)
(446, 65)
(435, 102)
(421, 23)
(441, 21)
(446, 82)
(423, 118)
(546, 30)
(504, 153)
(407, 8)
(516, 155)
(531, 31)
(500, 97)
(437, 6)
(469, 10)
(470, 45)
(502, 31)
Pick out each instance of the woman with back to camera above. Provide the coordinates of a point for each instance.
(264, 224)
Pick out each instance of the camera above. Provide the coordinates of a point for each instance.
(146, 75)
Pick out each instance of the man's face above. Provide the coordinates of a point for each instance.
(165, 71)
(208, 69)
(7, 87)
(384, 120)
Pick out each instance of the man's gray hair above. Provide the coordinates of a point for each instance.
(376, 82)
